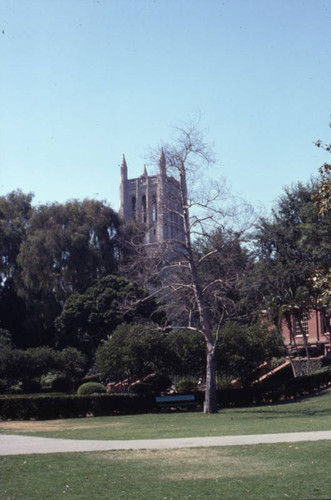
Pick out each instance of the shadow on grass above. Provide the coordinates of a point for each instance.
(291, 408)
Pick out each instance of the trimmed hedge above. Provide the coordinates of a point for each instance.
(72, 406)
(271, 391)
(45, 407)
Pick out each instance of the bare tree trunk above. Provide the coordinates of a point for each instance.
(210, 395)
(210, 405)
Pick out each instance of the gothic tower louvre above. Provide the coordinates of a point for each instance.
(154, 201)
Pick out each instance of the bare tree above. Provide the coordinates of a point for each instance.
(177, 268)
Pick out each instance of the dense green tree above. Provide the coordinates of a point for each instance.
(15, 214)
(72, 363)
(138, 350)
(13, 314)
(41, 359)
(66, 247)
(26, 366)
(186, 353)
(321, 280)
(132, 351)
(291, 247)
(5, 339)
(244, 348)
(323, 195)
(12, 365)
(90, 317)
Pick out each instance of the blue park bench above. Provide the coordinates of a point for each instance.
(176, 401)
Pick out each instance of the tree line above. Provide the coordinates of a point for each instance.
(73, 275)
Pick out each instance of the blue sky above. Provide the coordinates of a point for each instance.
(84, 81)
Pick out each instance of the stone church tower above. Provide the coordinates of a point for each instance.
(154, 201)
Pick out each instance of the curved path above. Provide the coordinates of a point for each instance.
(18, 445)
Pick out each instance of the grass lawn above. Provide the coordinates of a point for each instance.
(296, 471)
(262, 472)
(309, 414)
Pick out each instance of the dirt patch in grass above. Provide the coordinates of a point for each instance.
(187, 464)
(53, 425)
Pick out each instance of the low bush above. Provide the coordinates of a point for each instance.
(186, 386)
(91, 388)
(30, 386)
(224, 383)
(62, 384)
(326, 361)
(95, 377)
(15, 389)
(159, 382)
(3, 387)
(141, 388)
(275, 362)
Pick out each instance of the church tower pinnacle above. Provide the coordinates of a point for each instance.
(162, 164)
(124, 179)
(124, 169)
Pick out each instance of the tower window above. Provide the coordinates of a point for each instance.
(133, 206)
(143, 202)
(154, 209)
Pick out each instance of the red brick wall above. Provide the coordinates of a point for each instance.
(315, 328)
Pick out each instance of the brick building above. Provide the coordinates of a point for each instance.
(316, 327)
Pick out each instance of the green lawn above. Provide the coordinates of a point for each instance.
(306, 415)
(293, 471)
(261, 472)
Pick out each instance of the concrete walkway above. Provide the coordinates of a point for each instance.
(17, 445)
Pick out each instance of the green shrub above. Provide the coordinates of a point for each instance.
(141, 388)
(48, 379)
(326, 361)
(62, 384)
(96, 377)
(91, 388)
(132, 351)
(275, 362)
(159, 382)
(16, 388)
(223, 383)
(31, 386)
(72, 363)
(39, 361)
(3, 387)
(187, 386)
